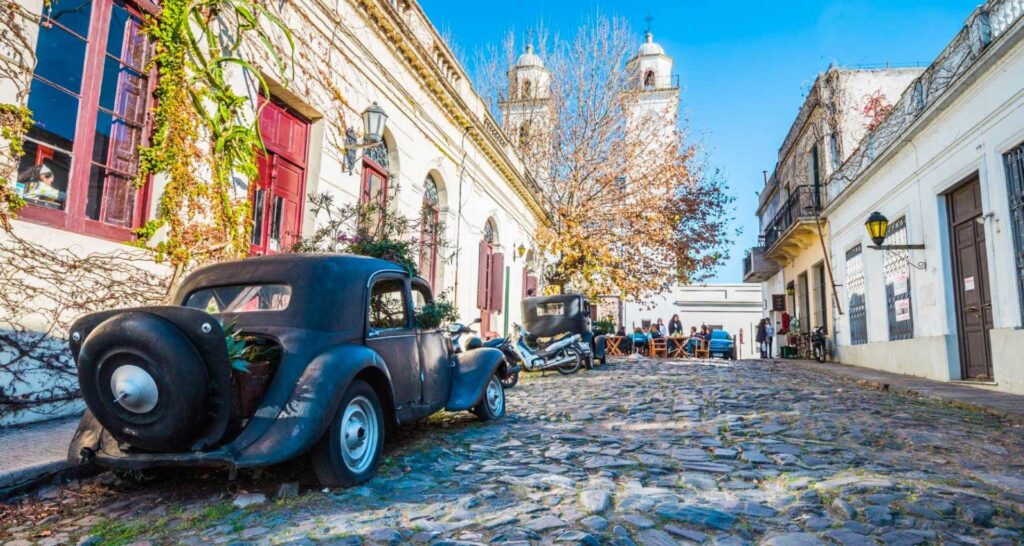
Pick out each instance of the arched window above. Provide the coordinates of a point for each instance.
(527, 89)
(490, 278)
(649, 79)
(374, 190)
(430, 231)
(490, 233)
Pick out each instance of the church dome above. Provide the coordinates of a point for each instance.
(649, 47)
(529, 59)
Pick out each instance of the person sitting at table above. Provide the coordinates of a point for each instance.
(675, 326)
(639, 340)
(655, 331)
(691, 343)
(662, 329)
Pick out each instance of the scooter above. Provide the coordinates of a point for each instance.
(563, 355)
(819, 344)
(463, 338)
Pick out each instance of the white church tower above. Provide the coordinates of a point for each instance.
(656, 88)
(526, 113)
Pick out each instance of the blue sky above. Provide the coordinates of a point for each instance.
(744, 66)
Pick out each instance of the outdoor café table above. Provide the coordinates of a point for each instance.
(676, 345)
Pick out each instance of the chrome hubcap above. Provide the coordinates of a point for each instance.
(134, 389)
(359, 433)
(495, 396)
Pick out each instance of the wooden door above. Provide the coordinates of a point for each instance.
(278, 194)
(970, 275)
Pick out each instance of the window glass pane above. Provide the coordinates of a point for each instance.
(61, 58)
(241, 298)
(125, 39)
(54, 113)
(116, 144)
(123, 91)
(257, 216)
(387, 305)
(111, 198)
(419, 297)
(43, 176)
(73, 14)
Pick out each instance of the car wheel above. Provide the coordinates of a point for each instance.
(510, 380)
(492, 405)
(590, 362)
(604, 360)
(350, 450)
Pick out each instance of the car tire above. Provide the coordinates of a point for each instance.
(162, 384)
(350, 451)
(492, 404)
(590, 362)
(604, 360)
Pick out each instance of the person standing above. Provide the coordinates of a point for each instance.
(769, 336)
(662, 329)
(759, 337)
(675, 326)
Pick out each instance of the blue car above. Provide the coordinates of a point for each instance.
(722, 344)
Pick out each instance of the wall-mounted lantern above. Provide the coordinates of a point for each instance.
(878, 228)
(374, 121)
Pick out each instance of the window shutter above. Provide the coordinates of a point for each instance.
(497, 282)
(483, 272)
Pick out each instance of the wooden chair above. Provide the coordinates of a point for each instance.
(613, 345)
(703, 349)
(657, 347)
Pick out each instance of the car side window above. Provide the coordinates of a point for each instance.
(420, 296)
(387, 305)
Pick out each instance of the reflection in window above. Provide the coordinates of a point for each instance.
(241, 298)
(43, 176)
(387, 305)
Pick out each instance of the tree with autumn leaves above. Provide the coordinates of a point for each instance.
(632, 205)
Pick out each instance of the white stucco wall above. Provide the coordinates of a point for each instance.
(969, 135)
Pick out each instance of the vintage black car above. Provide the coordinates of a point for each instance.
(344, 364)
(551, 316)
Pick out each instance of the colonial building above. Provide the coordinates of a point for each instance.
(792, 262)
(942, 297)
(442, 154)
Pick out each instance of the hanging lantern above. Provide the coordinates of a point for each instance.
(877, 226)
(374, 120)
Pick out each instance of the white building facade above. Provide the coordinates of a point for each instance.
(442, 152)
(946, 168)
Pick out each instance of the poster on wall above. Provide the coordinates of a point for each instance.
(901, 284)
(902, 309)
(778, 302)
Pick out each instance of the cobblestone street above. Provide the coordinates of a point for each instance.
(638, 452)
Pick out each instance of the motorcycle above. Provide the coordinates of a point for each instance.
(463, 338)
(819, 344)
(563, 355)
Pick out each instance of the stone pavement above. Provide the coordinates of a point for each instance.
(30, 451)
(637, 452)
(965, 395)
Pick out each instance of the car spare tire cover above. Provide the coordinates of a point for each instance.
(160, 376)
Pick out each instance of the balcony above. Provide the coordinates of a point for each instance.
(794, 228)
(756, 268)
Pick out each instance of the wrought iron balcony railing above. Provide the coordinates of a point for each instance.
(803, 202)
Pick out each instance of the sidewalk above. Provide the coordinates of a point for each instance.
(32, 451)
(1004, 405)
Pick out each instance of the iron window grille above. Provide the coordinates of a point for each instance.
(896, 264)
(1014, 161)
(855, 290)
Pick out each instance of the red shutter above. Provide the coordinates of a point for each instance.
(497, 281)
(483, 272)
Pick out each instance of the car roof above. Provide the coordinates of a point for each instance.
(311, 278)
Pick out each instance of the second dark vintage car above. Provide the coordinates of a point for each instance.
(546, 317)
(335, 361)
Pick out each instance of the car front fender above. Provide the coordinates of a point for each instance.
(470, 374)
(303, 419)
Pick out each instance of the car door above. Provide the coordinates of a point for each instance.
(390, 332)
(433, 352)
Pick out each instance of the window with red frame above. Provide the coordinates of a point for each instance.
(88, 98)
(430, 223)
(375, 183)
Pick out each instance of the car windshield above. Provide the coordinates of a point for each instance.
(243, 298)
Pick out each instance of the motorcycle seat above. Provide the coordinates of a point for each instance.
(496, 342)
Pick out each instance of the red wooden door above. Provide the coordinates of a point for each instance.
(278, 194)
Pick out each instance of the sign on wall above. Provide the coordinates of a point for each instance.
(778, 302)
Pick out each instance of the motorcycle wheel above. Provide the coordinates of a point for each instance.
(573, 366)
(510, 381)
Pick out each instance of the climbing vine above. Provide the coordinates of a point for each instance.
(16, 66)
(205, 133)
(14, 122)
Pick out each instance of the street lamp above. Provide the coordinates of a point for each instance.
(520, 250)
(374, 121)
(878, 227)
